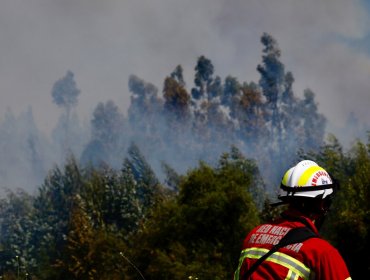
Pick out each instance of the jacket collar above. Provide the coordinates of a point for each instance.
(293, 215)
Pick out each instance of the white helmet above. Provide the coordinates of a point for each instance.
(306, 179)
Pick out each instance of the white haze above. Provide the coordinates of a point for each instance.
(102, 42)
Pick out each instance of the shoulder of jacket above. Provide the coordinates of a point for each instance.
(320, 245)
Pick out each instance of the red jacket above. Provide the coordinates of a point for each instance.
(314, 258)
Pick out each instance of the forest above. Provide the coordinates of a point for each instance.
(170, 189)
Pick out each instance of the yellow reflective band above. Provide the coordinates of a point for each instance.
(285, 178)
(297, 267)
(307, 175)
(291, 276)
(349, 278)
(241, 259)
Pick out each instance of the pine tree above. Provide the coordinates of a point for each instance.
(147, 184)
(53, 206)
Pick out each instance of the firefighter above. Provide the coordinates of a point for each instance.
(307, 191)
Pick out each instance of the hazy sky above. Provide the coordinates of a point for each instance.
(325, 43)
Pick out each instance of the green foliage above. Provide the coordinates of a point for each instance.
(347, 226)
(199, 232)
(17, 251)
(52, 209)
(147, 184)
(75, 213)
(102, 224)
(140, 168)
(351, 216)
(111, 202)
(269, 211)
(90, 253)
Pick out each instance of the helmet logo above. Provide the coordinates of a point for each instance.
(319, 174)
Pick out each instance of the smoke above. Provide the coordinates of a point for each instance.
(104, 42)
(323, 43)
